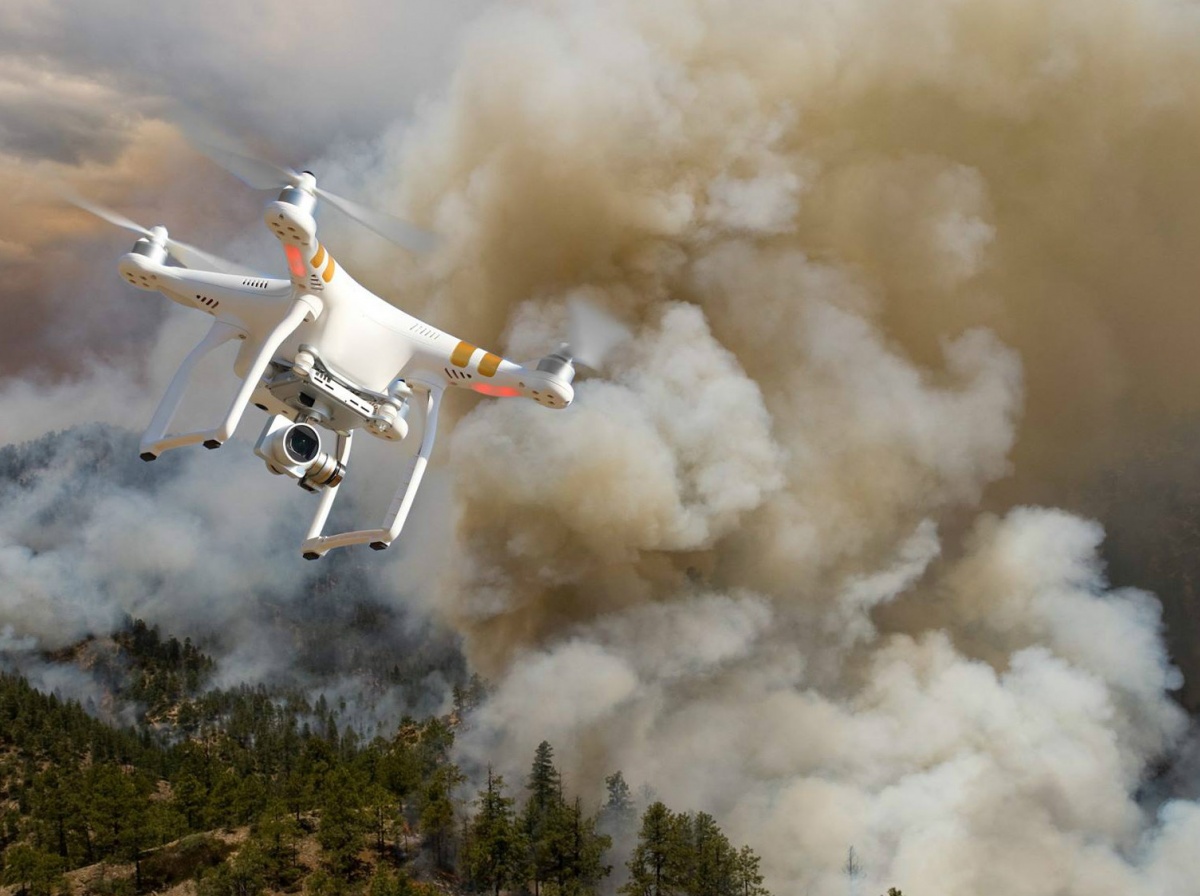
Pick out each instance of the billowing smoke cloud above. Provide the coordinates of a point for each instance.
(889, 265)
(901, 276)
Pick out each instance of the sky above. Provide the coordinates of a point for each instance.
(876, 530)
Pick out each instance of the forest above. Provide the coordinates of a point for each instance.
(248, 790)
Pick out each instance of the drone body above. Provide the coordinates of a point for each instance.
(320, 352)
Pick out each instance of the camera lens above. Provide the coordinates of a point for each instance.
(303, 443)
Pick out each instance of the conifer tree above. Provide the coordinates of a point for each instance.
(542, 820)
(620, 800)
(342, 824)
(380, 807)
(118, 814)
(712, 861)
(437, 810)
(747, 878)
(494, 855)
(279, 834)
(659, 861)
(54, 801)
(33, 871)
(385, 883)
(246, 875)
(580, 866)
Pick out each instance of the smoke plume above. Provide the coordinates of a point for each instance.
(896, 271)
(905, 280)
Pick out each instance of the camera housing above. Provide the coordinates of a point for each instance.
(294, 449)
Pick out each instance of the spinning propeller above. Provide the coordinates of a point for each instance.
(185, 253)
(263, 175)
(592, 333)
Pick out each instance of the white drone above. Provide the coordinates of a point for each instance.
(319, 351)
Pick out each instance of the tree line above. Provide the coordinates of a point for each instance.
(386, 812)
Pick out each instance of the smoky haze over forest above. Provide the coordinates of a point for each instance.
(912, 293)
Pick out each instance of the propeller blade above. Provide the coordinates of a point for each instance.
(186, 254)
(103, 213)
(387, 226)
(592, 332)
(191, 257)
(261, 174)
(231, 154)
(253, 172)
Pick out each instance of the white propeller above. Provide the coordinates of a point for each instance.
(264, 175)
(185, 253)
(592, 332)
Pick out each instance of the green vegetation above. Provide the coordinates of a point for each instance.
(247, 791)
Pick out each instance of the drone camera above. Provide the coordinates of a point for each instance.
(294, 449)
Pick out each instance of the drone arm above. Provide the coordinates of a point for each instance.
(316, 544)
(155, 440)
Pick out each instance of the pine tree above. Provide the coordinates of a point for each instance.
(542, 820)
(118, 814)
(659, 863)
(385, 883)
(279, 835)
(380, 807)
(581, 862)
(620, 802)
(33, 871)
(494, 855)
(53, 801)
(342, 824)
(245, 875)
(747, 878)
(712, 861)
(437, 810)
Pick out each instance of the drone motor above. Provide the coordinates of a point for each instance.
(151, 248)
(558, 365)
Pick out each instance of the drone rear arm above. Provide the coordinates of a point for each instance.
(316, 544)
(156, 440)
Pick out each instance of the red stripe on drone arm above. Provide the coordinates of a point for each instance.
(295, 260)
(495, 391)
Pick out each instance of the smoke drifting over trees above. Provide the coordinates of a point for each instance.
(912, 291)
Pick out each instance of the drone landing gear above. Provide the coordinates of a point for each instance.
(316, 544)
(156, 440)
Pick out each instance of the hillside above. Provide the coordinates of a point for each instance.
(247, 790)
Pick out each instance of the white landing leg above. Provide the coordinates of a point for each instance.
(156, 440)
(317, 545)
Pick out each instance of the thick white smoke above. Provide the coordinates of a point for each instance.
(897, 272)
(880, 256)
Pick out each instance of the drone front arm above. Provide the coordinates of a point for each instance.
(316, 544)
(155, 440)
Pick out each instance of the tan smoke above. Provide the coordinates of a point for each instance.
(895, 270)
(889, 265)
